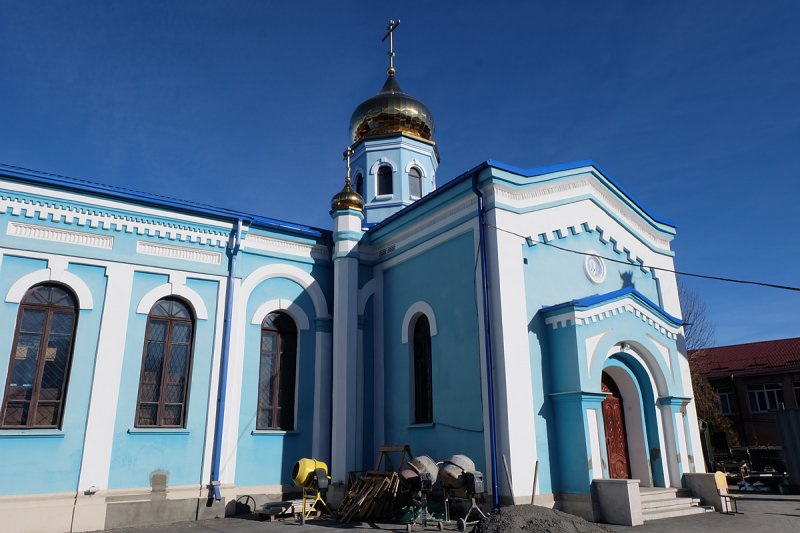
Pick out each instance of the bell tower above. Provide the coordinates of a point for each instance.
(394, 155)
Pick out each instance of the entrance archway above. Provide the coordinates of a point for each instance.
(619, 463)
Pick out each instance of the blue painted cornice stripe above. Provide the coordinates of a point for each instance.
(121, 193)
(593, 301)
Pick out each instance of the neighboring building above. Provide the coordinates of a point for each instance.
(156, 353)
(752, 382)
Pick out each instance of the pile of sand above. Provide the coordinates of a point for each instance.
(518, 518)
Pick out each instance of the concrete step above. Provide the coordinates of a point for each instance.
(669, 502)
(657, 494)
(673, 512)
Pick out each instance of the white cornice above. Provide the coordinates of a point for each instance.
(270, 244)
(585, 184)
(183, 253)
(610, 310)
(46, 233)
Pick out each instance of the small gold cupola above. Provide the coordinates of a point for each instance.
(347, 198)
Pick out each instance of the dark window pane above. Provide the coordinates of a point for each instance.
(181, 332)
(165, 366)
(39, 365)
(157, 330)
(360, 185)
(415, 182)
(62, 323)
(32, 320)
(277, 373)
(423, 378)
(268, 341)
(385, 180)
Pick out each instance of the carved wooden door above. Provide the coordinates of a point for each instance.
(616, 440)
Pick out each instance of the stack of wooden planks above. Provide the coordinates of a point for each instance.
(371, 496)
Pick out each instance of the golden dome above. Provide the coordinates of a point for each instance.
(347, 198)
(391, 111)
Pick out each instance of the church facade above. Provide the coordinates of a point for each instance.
(163, 360)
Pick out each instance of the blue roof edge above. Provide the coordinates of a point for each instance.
(538, 171)
(526, 172)
(122, 193)
(592, 301)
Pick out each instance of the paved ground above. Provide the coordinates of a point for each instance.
(758, 514)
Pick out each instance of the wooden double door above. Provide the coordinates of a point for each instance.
(616, 438)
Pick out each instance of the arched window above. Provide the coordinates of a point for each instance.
(360, 185)
(166, 361)
(423, 379)
(384, 179)
(40, 359)
(415, 182)
(276, 375)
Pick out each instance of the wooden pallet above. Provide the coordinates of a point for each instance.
(369, 497)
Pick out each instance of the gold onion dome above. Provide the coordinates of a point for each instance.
(391, 111)
(347, 198)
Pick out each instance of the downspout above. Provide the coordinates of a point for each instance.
(223, 374)
(487, 339)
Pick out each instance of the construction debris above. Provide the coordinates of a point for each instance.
(525, 518)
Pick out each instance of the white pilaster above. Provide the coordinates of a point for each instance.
(515, 415)
(96, 458)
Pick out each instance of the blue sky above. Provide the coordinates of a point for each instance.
(691, 106)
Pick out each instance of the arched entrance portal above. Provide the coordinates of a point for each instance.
(616, 438)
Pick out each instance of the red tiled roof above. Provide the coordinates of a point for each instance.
(754, 358)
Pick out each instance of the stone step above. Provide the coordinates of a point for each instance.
(669, 502)
(657, 494)
(673, 512)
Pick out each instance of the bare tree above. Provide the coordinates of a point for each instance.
(699, 333)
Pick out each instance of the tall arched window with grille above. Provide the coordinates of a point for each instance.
(423, 373)
(415, 182)
(385, 180)
(36, 387)
(166, 361)
(277, 373)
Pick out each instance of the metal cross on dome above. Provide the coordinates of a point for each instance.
(390, 35)
(346, 155)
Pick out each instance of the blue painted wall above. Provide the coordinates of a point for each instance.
(60, 450)
(136, 453)
(442, 277)
(267, 457)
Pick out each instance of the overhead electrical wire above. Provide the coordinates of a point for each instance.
(529, 239)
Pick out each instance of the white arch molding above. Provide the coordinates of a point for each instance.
(373, 170)
(17, 291)
(169, 289)
(418, 308)
(287, 306)
(364, 294)
(279, 270)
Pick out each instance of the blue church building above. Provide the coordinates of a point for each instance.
(162, 360)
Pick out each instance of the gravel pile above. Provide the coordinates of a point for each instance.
(518, 518)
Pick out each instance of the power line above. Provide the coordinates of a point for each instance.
(689, 274)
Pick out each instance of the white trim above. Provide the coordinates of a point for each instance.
(181, 253)
(17, 291)
(47, 233)
(316, 252)
(594, 443)
(364, 295)
(373, 170)
(173, 289)
(415, 163)
(287, 306)
(418, 308)
(301, 277)
(611, 309)
(99, 437)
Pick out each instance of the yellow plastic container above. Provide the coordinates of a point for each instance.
(302, 473)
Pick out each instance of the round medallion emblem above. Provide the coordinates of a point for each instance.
(595, 268)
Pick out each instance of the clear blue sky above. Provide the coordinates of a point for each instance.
(692, 106)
